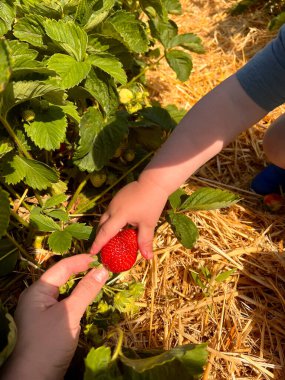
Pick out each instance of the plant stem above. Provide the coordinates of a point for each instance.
(87, 205)
(142, 72)
(20, 248)
(12, 191)
(13, 135)
(77, 192)
(21, 147)
(19, 219)
(118, 350)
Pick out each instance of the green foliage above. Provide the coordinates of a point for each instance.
(208, 281)
(274, 8)
(5, 211)
(184, 361)
(63, 66)
(202, 199)
(8, 334)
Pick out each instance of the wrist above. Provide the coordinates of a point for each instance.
(147, 181)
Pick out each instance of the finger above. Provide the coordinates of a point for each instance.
(59, 273)
(145, 241)
(106, 231)
(85, 292)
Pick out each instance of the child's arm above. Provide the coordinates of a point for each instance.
(207, 128)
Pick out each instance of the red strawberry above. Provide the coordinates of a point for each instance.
(120, 253)
(273, 201)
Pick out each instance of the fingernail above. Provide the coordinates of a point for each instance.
(147, 255)
(100, 274)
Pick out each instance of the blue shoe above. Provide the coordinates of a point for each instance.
(269, 180)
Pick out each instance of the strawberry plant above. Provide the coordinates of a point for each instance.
(75, 116)
(274, 8)
(202, 199)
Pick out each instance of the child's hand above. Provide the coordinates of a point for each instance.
(138, 204)
(48, 330)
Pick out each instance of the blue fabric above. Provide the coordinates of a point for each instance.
(263, 77)
(269, 180)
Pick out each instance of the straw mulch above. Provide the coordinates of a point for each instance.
(242, 318)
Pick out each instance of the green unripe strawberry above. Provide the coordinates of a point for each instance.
(28, 115)
(44, 104)
(129, 155)
(98, 178)
(111, 178)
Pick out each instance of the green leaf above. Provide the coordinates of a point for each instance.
(189, 41)
(224, 275)
(5, 66)
(21, 55)
(46, 8)
(60, 241)
(110, 64)
(8, 257)
(176, 114)
(30, 29)
(58, 213)
(102, 88)
(159, 116)
(164, 31)
(180, 62)
(99, 139)
(79, 231)
(69, 36)
(71, 72)
(15, 171)
(157, 5)
(35, 173)
(207, 198)
(187, 360)
(21, 91)
(8, 334)
(70, 109)
(173, 6)
(277, 21)
(55, 200)
(197, 279)
(184, 229)
(150, 138)
(127, 29)
(7, 16)
(5, 211)
(48, 129)
(42, 222)
(6, 146)
(177, 198)
(96, 362)
(100, 12)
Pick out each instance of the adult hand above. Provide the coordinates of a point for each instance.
(139, 204)
(48, 330)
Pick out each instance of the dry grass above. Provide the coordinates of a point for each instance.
(242, 318)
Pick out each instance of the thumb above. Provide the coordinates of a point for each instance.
(145, 241)
(85, 292)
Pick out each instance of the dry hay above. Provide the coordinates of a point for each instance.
(242, 318)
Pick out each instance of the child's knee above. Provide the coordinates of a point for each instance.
(274, 142)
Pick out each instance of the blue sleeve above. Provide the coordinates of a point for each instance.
(263, 77)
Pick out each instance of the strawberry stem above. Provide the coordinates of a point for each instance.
(118, 349)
